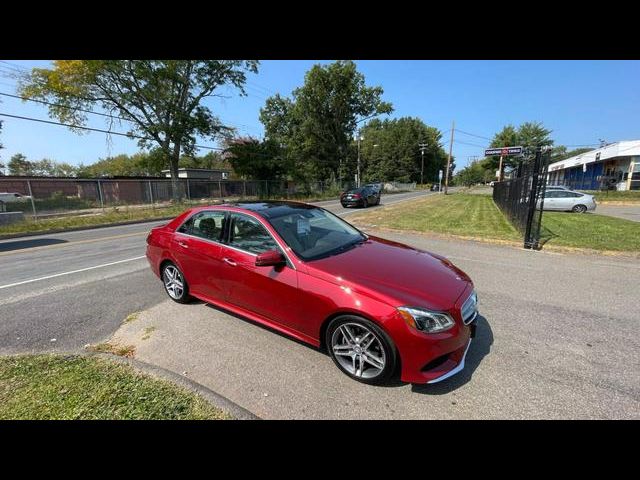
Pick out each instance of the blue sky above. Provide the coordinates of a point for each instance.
(581, 101)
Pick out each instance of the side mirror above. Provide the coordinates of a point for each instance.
(272, 258)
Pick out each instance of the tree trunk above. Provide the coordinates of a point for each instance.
(174, 159)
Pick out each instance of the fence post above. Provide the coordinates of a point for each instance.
(244, 188)
(100, 195)
(528, 243)
(220, 188)
(188, 190)
(33, 203)
(151, 195)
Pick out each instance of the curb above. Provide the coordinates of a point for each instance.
(9, 236)
(217, 400)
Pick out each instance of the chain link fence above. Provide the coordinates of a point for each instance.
(42, 197)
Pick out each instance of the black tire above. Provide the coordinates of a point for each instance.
(579, 208)
(182, 297)
(384, 343)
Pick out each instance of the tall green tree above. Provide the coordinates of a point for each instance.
(255, 159)
(161, 99)
(19, 165)
(390, 151)
(317, 124)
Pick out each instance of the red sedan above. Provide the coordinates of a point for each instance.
(375, 305)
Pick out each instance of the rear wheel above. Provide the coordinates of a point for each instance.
(361, 349)
(174, 284)
(579, 208)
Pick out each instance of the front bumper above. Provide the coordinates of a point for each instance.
(455, 370)
(431, 358)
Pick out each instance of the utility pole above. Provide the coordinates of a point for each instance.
(358, 183)
(423, 147)
(446, 178)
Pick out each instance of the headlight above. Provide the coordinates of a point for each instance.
(425, 320)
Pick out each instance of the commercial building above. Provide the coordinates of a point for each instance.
(615, 166)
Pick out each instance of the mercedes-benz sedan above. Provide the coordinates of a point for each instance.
(375, 305)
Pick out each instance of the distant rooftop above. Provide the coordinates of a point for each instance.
(625, 148)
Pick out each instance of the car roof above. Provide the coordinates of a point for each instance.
(264, 208)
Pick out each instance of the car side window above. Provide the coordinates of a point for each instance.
(207, 224)
(250, 235)
(551, 194)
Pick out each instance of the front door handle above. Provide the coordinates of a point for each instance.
(229, 261)
(183, 245)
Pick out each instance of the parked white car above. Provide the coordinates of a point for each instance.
(568, 201)
(10, 197)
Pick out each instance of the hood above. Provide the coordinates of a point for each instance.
(396, 273)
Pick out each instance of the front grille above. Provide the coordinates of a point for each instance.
(469, 308)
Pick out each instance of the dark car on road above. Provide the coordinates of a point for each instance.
(360, 197)
(378, 307)
(376, 187)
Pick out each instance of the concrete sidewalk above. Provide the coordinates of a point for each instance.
(546, 347)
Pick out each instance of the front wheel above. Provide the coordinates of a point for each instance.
(361, 349)
(579, 209)
(174, 284)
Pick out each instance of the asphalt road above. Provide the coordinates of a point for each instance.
(626, 212)
(558, 339)
(62, 291)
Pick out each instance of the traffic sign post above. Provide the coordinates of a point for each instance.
(503, 152)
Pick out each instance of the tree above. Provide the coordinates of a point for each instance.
(316, 126)
(19, 165)
(390, 151)
(255, 159)
(561, 153)
(161, 99)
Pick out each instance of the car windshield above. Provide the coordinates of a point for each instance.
(314, 233)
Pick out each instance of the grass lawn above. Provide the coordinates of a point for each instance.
(476, 216)
(110, 216)
(74, 387)
(628, 196)
(586, 230)
(457, 214)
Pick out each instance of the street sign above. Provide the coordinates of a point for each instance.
(503, 151)
(440, 175)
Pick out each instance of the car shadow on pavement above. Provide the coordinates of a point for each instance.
(22, 244)
(480, 347)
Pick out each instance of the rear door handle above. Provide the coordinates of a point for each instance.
(229, 261)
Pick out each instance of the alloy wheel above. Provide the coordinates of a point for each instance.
(358, 350)
(173, 282)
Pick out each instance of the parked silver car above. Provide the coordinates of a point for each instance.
(568, 201)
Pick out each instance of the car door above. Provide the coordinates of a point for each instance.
(268, 291)
(196, 247)
(565, 200)
(551, 200)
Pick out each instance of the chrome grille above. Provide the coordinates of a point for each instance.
(469, 308)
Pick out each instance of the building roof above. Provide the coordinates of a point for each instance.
(625, 148)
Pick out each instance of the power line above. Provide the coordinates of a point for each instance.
(128, 135)
(472, 134)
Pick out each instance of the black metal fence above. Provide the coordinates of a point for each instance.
(521, 198)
